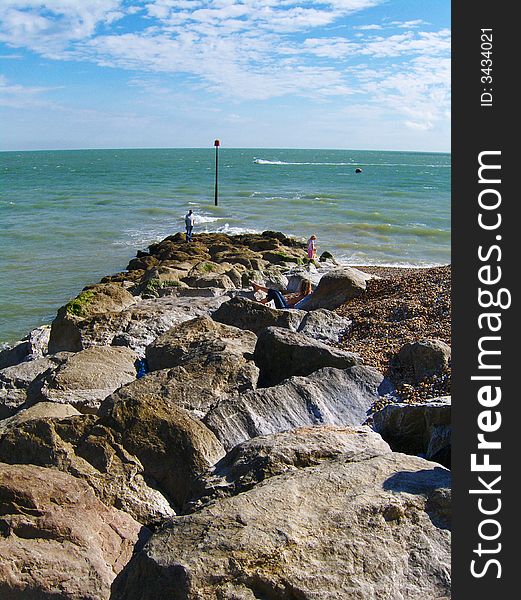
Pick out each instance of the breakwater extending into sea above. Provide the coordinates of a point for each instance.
(70, 217)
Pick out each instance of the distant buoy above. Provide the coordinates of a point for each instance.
(358, 170)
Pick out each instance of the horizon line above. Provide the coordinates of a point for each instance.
(226, 147)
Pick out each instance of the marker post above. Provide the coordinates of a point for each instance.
(217, 143)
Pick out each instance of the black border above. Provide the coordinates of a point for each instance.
(477, 128)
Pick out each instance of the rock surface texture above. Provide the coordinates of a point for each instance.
(376, 527)
(332, 396)
(57, 539)
(170, 438)
(335, 288)
(418, 428)
(280, 353)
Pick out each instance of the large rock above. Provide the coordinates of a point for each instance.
(57, 539)
(89, 376)
(329, 396)
(56, 435)
(254, 316)
(375, 528)
(210, 280)
(423, 428)
(18, 383)
(34, 345)
(280, 354)
(41, 410)
(266, 456)
(324, 325)
(199, 338)
(150, 318)
(100, 299)
(199, 383)
(335, 288)
(135, 325)
(424, 358)
(172, 445)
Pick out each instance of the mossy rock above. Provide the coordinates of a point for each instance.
(79, 305)
(281, 257)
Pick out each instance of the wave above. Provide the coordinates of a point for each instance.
(199, 220)
(262, 161)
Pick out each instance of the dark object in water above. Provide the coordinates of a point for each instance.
(358, 170)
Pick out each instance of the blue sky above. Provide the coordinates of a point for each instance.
(357, 74)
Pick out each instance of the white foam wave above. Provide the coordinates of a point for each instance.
(199, 220)
(226, 228)
(262, 161)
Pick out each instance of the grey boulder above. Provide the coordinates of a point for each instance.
(324, 325)
(265, 456)
(423, 428)
(424, 358)
(328, 396)
(89, 376)
(374, 528)
(335, 288)
(280, 353)
(254, 316)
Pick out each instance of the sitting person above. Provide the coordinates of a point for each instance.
(283, 300)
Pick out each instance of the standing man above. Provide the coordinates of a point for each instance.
(189, 222)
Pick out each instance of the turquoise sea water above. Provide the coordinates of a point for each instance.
(67, 218)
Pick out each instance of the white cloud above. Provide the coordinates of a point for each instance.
(245, 49)
(420, 92)
(47, 27)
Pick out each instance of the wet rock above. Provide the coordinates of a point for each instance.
(341, 529)
(142, 263)
(69, 543)
(254, 316)
(328, 396)
(280, 353)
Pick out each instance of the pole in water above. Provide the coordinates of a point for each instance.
(217, 143)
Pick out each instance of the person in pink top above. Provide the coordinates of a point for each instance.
(312, 247)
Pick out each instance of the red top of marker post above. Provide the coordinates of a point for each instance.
(217, 143)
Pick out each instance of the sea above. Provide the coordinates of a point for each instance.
(68, 218)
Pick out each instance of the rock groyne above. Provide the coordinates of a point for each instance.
(169, 437)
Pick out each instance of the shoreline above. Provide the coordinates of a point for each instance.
(385, 270)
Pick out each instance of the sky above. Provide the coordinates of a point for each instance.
(354, 74)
